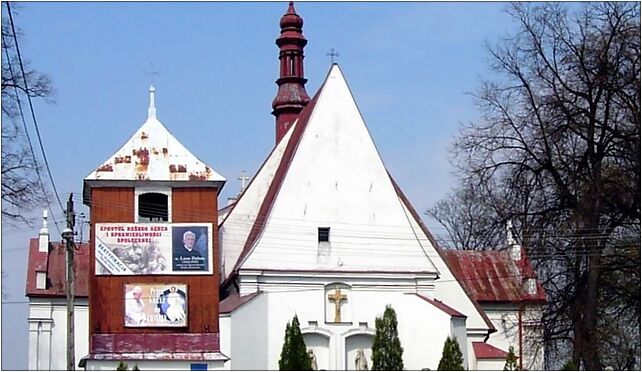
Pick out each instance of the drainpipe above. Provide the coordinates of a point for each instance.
(520, 325)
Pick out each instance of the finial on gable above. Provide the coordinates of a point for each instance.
(151, 111)
(43, 241)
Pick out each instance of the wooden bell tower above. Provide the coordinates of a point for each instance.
(154, 257)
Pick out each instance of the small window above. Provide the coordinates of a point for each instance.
(152, 207)
(324, 234)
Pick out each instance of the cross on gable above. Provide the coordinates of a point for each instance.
(337, 297)
(332, 53)
(243, 178)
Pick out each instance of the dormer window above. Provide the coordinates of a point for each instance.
(153, 206)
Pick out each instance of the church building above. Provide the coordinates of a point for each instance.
(322, 232)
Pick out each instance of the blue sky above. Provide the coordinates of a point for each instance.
(409, 66)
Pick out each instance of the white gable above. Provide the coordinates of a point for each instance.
(336, 179)
(153, 154)
(236, 227)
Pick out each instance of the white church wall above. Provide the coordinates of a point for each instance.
(249, 335)
(458, 329)
(490, 365)
(506, 322)
(422, 327)
(48, 333)
(505, 318)
(533, 338)
(319, 343)
(447, 288)
(225, 337)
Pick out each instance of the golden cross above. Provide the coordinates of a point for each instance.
(336, 298)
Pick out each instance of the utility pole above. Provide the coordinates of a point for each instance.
(68, 236)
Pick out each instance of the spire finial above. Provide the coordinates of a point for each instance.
(151, 111)
(44, 219)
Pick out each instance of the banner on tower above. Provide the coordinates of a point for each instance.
(153, 248)
(155, 305)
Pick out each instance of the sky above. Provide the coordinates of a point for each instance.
(411, 68)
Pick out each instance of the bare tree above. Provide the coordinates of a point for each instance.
(558, 150)
(470, 221)
(22, 190)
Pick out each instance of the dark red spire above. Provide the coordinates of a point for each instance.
(291, 97)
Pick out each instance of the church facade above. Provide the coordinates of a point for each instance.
(322, 232)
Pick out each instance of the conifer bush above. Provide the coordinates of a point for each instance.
(294, 354)
(451, 357)
(511, 360)
(387, 353)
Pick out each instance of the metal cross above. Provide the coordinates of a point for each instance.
(152, 72)
(336, 298)
(243, 178)
(332, 53)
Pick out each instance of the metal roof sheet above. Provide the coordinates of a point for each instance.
(493, 276)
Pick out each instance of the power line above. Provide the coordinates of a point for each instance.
(33, 115)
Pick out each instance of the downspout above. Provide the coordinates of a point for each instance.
(519, 324)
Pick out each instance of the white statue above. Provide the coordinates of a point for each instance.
(313, 360)
(360, 361)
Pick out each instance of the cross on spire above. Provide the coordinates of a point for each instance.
(332, 53)
(152, 72)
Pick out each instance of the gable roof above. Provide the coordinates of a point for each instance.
(235, 301)
(53, 264)
(327, 172)
(493, 276)
(152, 154)
(330, 174)
(442, 306)
(487, 351)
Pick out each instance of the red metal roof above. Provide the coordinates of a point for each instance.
(442, 306)
(53, 263)
(486, 351)
(493, 276)
(235, 301)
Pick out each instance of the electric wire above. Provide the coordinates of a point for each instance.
(33, 114)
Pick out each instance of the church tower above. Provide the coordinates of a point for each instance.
(154, 255)
(291, 97)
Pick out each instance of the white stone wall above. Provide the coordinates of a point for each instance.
(505, 317)
(422, 327)
(48, 333)
(248, 340)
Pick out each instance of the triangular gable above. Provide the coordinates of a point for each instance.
(304, 195)
(153, 154)
(335, 179)
(244, 221)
